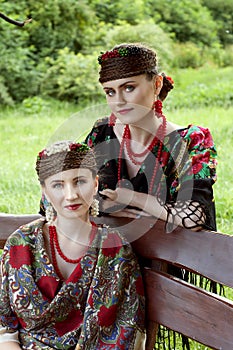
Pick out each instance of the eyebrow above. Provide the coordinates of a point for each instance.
(127, 82)
(74, 179)
(56, 181)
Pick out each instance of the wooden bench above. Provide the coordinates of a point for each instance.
(178, 305)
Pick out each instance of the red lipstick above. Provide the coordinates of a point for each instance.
(73, 207)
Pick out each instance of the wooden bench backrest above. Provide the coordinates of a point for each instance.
(178, 305)
(192, 311)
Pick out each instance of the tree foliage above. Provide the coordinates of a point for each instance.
(56, 53)
(72, 77)
(222, 13)
(187, 20)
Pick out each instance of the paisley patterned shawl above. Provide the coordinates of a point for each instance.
(100, 306)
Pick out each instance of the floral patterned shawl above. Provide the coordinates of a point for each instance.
(187, 166)
(100, 306)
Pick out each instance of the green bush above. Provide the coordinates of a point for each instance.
(72, 77)
(222, 12)
(5, 97)
(35, 105)
(17, 65)
(147, 33)
(187, 20)
(222, 57)
(187, 55)
(88, 27)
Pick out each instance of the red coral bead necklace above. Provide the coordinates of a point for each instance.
(157, 140)
(55, 246)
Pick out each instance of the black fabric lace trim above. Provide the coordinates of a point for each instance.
(190, 214)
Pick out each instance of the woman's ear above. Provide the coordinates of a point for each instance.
(44, 193)
(96, 181)
(158, 84)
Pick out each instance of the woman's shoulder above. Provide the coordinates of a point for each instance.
(33, 225)
(184, 130)
(194, 135)
(101, 122)
(99, 132)
(30, 229)
(197, 136)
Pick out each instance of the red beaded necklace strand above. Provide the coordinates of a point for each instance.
(158, 139)
(55, 246)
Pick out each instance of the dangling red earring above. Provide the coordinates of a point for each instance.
(112, 120)
(157, 106)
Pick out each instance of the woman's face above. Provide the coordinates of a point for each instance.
(71, 192)
(130, 99)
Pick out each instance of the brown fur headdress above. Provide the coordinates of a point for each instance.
(64, 155)
(126, 60)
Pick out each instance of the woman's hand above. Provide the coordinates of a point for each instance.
(119, 195)
(130, 213)
(122, 197)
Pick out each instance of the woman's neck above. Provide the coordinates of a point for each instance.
(141, 132)
(76, 230)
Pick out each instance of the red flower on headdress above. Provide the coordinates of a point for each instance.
(170, 79)
(73, 146)
(42, 154)
(81, 147)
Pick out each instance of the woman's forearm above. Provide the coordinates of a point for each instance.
(143, 201)
(149, 204)
(188, 214)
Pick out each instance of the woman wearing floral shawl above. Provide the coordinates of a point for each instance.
(67, 283)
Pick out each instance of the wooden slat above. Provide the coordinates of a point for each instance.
(205, 252)
(198, 314)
